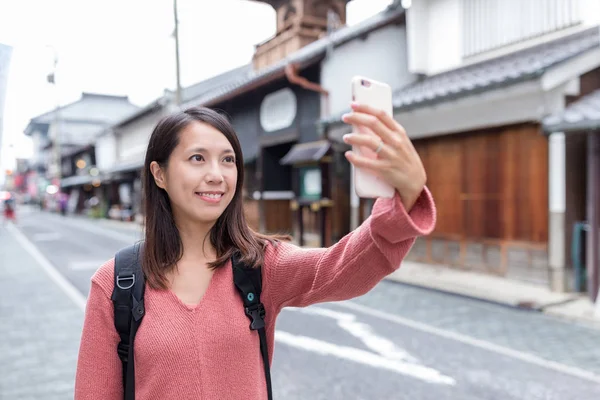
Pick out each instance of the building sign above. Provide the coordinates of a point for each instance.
(310, 183)
(278, 110)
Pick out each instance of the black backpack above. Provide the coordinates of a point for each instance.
(128, 300)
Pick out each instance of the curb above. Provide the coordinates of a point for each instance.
(526, 306)
(552, 309)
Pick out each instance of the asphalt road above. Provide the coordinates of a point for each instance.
(396, 342)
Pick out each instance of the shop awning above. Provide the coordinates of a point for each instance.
(580, 116)
(306, 152)
(126, 167)
(78, 180)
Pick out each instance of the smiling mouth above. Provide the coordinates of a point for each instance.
(210, 195)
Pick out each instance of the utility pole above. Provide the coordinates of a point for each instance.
(176, 35)
(57, 131)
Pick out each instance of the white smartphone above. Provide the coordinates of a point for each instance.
(378, 95)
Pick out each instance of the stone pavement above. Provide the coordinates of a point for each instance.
(570, 306)
(573, 306)
(40, 325)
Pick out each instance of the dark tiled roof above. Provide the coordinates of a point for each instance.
(194, 91)
(91, 108)
(147, 109)
(306, 55)
(306, 152)
(188, 93)
(502, 71)
(495, 73)
(582, 115)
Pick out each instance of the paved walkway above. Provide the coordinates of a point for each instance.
(573, 306)
(40, 324)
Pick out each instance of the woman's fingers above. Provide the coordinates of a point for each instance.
(373, 123)
(365, 162)
(369, 141)
(384, 117)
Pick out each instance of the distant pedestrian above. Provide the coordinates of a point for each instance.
(9, 211)
(62, 203)
(194, 340)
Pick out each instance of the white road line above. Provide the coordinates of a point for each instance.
(482, 344)
(66, 286)
(426, 374)
(364, 332)
(385, 354)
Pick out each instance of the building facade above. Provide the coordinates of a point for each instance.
(69, 134)
(5, 56)
(488, 72)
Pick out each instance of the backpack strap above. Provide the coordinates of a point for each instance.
(248, 282)
(128, 300)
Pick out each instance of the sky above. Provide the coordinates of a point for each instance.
(123, 47)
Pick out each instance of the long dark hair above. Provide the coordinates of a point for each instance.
(163, 247)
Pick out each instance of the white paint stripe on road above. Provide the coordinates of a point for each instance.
(365, 333)
(66, 286)
(426, 374)
(482, 344)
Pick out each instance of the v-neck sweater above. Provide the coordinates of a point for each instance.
(207, 351)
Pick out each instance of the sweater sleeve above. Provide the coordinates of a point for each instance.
(298, 277)
(98, 366)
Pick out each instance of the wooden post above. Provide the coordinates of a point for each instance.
(593, 212)
(262, 225)
(300, 220)
(325, 211)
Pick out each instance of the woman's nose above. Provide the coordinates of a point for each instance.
(214, 174)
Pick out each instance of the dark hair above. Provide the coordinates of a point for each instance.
(163, 247)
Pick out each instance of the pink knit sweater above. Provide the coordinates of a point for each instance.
(208, 351)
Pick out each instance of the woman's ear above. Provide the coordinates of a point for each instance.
(158, 174)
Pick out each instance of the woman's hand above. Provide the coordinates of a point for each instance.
(397, 161)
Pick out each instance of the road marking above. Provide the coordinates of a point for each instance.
(80, 301)
(85, 265)
(482, 344)
(46, 237)
(98, 230)
(363, 357)
(388, 356)
(363, 332)
(66, 286)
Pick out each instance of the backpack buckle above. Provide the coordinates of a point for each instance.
(123, 350)
(257, 313)
(124, 279)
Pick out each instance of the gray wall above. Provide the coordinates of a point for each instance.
(381, 56)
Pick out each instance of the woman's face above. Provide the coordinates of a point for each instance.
(201, 174)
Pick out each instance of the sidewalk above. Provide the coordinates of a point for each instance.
(494, 289)
(40, 324)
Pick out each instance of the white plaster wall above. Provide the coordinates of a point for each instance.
(382, 56)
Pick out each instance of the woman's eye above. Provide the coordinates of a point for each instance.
(197, 157)
(229, 159)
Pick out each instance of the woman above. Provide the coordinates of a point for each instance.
(194, 343)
